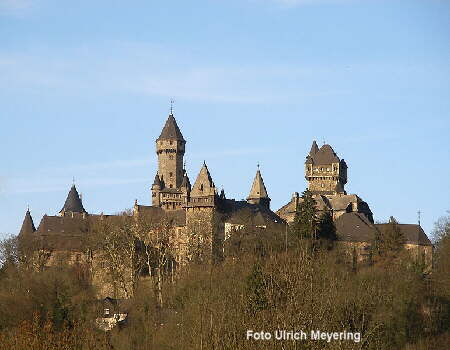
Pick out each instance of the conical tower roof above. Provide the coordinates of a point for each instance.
(27, 225)
(204, 185)
(171, 131)
(186, 183)
(73, 202)
(258, 189)
(157, 181)
(314, 148)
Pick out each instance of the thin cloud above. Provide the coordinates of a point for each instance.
(144, 70)
(16, 7)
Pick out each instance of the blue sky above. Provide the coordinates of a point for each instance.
(85, 89)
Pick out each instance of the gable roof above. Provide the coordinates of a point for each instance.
(258, 189)
(204, 185)
(171, 131)
(413, 233)
(73, 202)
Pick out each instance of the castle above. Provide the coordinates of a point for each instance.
(189, 208)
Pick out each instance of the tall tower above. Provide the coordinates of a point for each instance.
(203, 225)
(170, 147)
(168, 189)
(325, 172)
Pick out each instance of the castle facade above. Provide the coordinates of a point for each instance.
(201, 208)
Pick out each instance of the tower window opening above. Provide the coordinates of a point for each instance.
(170, 186)
(170, 174)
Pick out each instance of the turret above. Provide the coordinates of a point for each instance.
(170, 148)
(186, 188)
(156, 187)
(258, 193)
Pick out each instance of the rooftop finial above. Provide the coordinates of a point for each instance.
(28, 207)
(171, 106)
(73, 180)
(418, 216)
(257, 165)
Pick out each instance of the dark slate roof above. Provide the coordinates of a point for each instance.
(157, 214)
(355, 227)
(73, 202)
(242, 212)
(27, 225)
(63, 232)
(171, 131)
(414, 234)
(324, 156)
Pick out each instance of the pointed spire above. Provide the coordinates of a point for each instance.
(73, 202)
(186, 183)
(314, 149)
(258, 189)
(171, 131)
(157, 181)
(258, 193)
(28, 224)
(204, 185)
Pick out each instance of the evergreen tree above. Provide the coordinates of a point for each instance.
(256, 289)
(305, 222)
(327, 229)
(390, 239)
